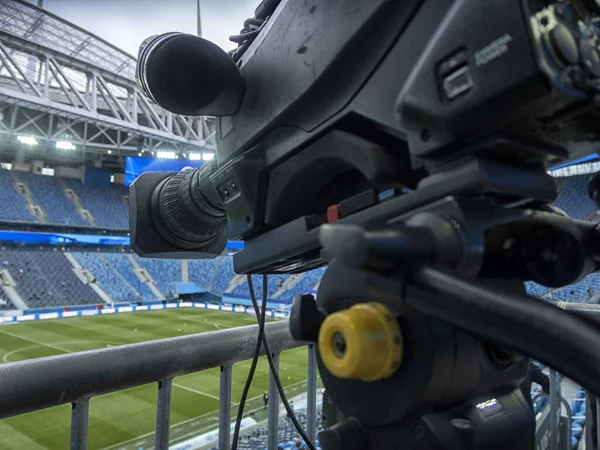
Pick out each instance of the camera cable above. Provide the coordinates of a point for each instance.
(260, 314)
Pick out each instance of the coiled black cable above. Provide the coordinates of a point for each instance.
(260, 314)
(261, 331)
(252, 27)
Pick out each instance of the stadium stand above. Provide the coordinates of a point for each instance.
(108, 207)
(201, 271)
(121, 265)
(116, 275)
(108, 278)
(223, 275)
(573, 198)
(308, 281)
(536, 289)
(286, 435)
(579, 292)
(14, 205)
(46, 278)
(165, 272)
(5, 303)
(47, 192)
(578, 409)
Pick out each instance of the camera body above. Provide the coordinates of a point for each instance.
(340, 101)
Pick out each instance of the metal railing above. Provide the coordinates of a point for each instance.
(42, 383)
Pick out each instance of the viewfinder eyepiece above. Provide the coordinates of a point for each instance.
(189, 75)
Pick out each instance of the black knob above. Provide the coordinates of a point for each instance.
(305, 318)
(346, 435)
(564, 44)
(189, 75)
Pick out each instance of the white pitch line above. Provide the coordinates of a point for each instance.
(195, 391)
(12, 352)
(35, 341)
(80, 341)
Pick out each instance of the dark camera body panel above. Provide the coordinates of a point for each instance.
(343, 97)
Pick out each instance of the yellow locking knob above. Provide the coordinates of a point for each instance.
(363, 342)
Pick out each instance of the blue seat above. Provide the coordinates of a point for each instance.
(46, 278)
(47, 192)
(106, 269)
(107, 206)
(13, 205)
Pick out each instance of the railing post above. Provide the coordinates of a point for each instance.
(225, 408)
(163, 414)
(597, 423)
(311, 394)
(589, 398)
(273, 412)
(553, 411)
(79, 424)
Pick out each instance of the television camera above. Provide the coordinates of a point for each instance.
(405, 145)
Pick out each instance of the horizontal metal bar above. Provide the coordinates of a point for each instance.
(41, 383)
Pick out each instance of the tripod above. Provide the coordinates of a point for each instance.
(421, 319)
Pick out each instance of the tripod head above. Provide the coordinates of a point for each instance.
(387, 356)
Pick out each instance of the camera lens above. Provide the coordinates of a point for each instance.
(189, 75)
(187, 210)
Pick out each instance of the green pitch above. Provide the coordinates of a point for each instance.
(126, 420)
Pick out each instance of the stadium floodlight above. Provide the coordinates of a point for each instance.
(207, 156)
(65, 145)
(109, 152)
(140, 154)
(166, 155)
(27, 140)
(195, 157)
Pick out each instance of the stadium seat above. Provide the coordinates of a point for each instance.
(122, 265)
(307, 283)
(13, 205)
(201, 271)
(165, 272)
(573, 198)
(224, 274)
(287, 435)
(47, 192)
(107, 206)
(46, 278)
(106, 269)
(5, 303)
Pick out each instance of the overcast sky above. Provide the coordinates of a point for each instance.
(126, 23)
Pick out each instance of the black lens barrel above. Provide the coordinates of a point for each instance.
(187, 210)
